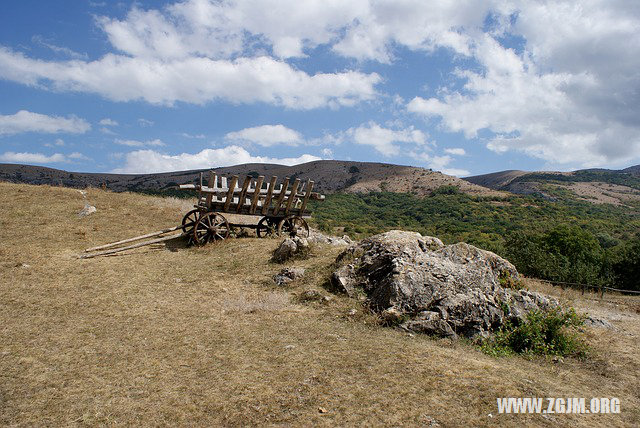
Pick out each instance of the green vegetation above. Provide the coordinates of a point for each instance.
(549, 333)
(587, 175)
(570, 241)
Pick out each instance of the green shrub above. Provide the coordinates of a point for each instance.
(448, 189)
(542, 333)
(507, 281)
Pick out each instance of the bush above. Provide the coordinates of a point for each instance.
(542, 333)
(565, 253)
(448, 189)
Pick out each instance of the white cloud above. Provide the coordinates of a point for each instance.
(359, 29)
(58, 142)
(107, 131)
(196, 136)
(383, 139)
(76, 156)
(136, 143)
(26, 121)
(457, 151)
(58, 49)
(196, 80)
(439, 163)
(327, 153)
(570, 96)
(148, 161)
(26, 157)
(267, 135)
(108, 122)
(144, 123)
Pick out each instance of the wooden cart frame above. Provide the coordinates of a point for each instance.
(282, 207)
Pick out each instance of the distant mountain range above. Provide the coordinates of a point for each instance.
(594, 185)
(329, 176)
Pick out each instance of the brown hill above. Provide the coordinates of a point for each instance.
(329, 175)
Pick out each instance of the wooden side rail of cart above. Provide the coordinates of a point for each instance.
(254, 196)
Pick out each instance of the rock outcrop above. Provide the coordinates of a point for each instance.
(422, 285)
(316, 237)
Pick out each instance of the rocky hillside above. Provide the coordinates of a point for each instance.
(330, 176)
(616, 187)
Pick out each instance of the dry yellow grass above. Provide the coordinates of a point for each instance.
(201, 336)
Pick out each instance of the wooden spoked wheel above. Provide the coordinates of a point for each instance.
(267, 228)
(293, 226)
(189, 221)
(210, 227)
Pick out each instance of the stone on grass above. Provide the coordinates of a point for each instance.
(422, 285)
(291, 248)
(287, 275)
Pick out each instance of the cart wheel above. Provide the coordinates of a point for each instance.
(293, 226)
(189, 221)
(266, 228)
(210, 227)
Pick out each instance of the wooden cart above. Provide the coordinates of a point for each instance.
(282, 208)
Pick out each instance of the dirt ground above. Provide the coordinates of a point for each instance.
(202, 336)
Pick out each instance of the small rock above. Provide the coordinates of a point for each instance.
(290, 248)
(87, 210)
(598, 322)
(287, 275)
(322, 410)
(352, 312)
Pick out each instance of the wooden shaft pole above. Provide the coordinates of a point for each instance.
(137, 238)
(130, 247)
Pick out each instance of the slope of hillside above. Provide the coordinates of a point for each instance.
(329, 176)
(201, 336)
(616, 187)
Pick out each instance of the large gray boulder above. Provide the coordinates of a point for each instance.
(422, 285)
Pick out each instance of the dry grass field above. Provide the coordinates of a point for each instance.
(202, 337)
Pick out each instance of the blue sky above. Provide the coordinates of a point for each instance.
(463, 87)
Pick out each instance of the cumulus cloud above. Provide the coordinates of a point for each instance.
(26, 121)
(148, 161)
(196, 80)
(361, 29)
(569, 96)
(267, 135)
(26, 157)
(383, 139)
